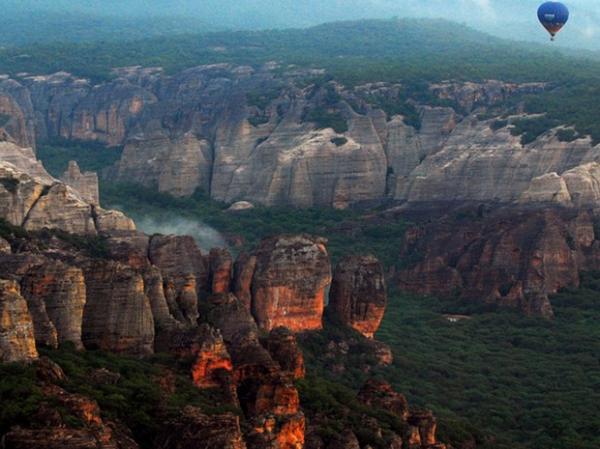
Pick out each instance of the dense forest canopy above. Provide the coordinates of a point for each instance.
(513, 18)
(356, 51)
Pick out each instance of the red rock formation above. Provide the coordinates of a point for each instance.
(358, 294)
(117, 315)
(194, 430)
(380, 394)
(270, 432)
(177, 256)
(513, 257)
(250, 360)
(17, 342)
(243, 270)
(278, 397)
(421, 431)
(288, 284)
(52, 432)
(57, 292)
(283, 347)
(212, 362)
(221, 265)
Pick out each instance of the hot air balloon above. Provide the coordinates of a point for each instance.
(553, 16)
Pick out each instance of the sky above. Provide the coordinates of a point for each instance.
(510, 18)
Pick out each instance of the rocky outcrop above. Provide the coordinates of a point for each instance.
(185, 273)
(512, 257)
(13, 120)
(243, 271)
(380, 394)
(60, 290)
(267, 395)
(358, 294)
(51, 431)
(288, 284)
(31, 198)
(421, 424)
(240, 332)
(194, 430)
(85, 183)
(117, 315)
(578, 187)
(212, 366)
(284, 349)
(60, 208)
(17, 342)
(259, 136)
(469, 95)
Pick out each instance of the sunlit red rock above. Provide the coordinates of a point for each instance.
(289, 281)
(211, 362)
(17, 342)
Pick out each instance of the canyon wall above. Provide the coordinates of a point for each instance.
(273, 137)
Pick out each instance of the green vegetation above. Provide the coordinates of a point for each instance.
(338, 411)
(10, 232)
(325, 118)
(382, 238)
(95, 246)
(412, 52)
(353, 52)
(136, 399)
(258, 120)
(566, 135)
(19, 393)
(90, 156)
(10, 184)
(339, 141)
(398, 106)
(4, 119)
(498, 124)
(531, 128)
(505, 379)
(262, 99)
(92, 245)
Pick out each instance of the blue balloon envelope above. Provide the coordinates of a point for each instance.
(553, 16)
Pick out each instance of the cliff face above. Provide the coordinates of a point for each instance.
(268, 138)
(31, 198)
(513, 257)
(358, 294)
(288, 283)
(17, 342)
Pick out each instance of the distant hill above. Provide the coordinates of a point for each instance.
(356, 51)
(50, 27)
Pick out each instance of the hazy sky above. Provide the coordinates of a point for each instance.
(512, 18)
